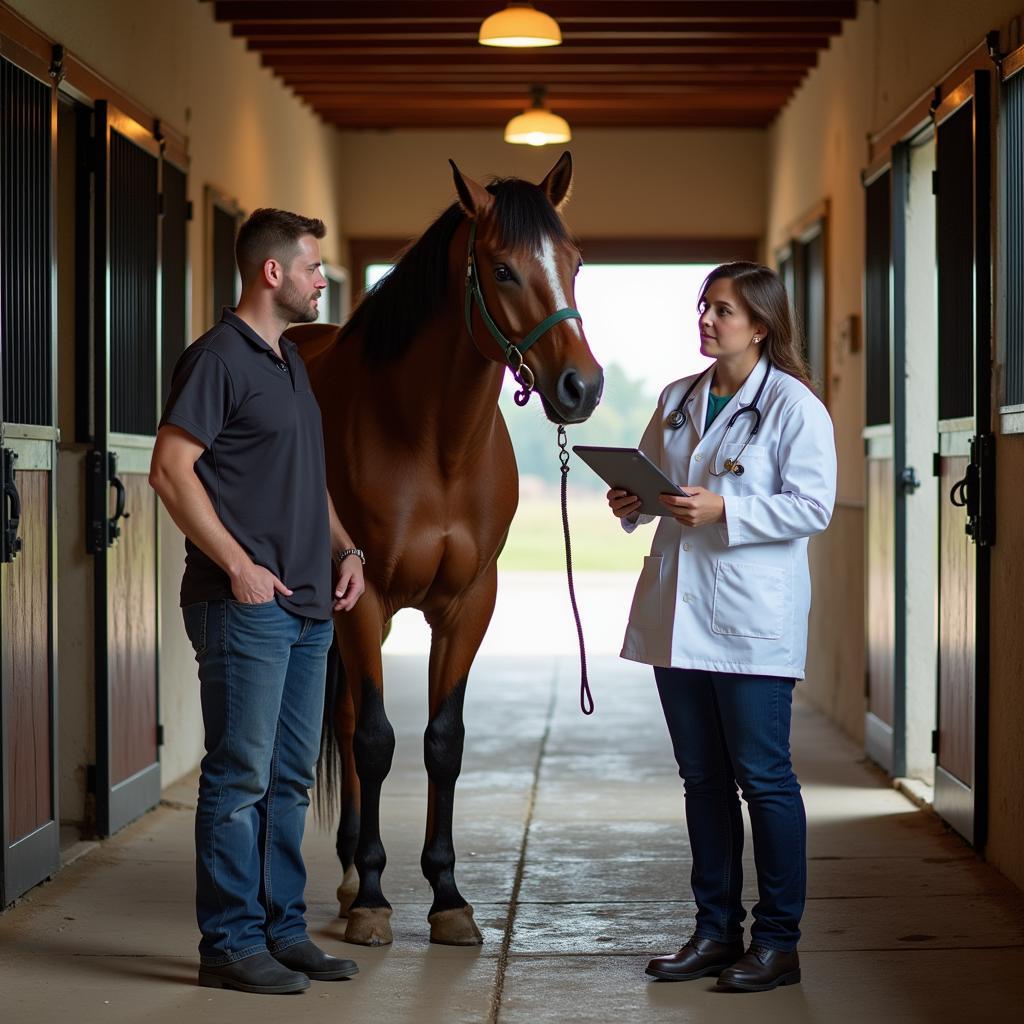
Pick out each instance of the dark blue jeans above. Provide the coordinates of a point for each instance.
(261, 673)
(729, 729)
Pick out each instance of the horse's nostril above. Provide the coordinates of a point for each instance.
(571, 389)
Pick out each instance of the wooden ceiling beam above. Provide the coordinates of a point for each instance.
(466, 31)
(413, 77)
(683, 119)
(624, 60)
(457, 104)
(427, 11)
(318, 93)
(669, 47)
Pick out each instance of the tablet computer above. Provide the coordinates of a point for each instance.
(628, 469)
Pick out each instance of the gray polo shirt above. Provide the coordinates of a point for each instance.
(263, 467)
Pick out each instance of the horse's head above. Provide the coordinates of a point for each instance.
(525, 270)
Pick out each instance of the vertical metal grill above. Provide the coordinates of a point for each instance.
(225, 292)
(1013, 119)
(954, 228)
(174, 242)
(133, 287)
(25, 247)
(878, 259)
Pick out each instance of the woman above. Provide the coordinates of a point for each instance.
(720, 611)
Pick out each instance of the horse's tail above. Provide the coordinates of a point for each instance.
(328, 763)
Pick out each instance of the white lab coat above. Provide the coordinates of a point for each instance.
(734, 596)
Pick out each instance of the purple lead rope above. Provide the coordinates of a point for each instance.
(586, 698)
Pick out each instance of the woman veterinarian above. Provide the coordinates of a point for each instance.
(720, 611)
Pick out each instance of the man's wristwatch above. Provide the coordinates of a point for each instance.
(342, 555)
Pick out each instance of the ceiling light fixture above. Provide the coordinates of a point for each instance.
(537, 126)
(520, 24)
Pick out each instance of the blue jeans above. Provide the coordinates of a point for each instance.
(728, 729)
(261, 672)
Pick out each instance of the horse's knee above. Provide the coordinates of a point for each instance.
(444, 739)
(374, 740)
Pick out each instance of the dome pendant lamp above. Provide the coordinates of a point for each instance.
(537, 126)
(520, 24)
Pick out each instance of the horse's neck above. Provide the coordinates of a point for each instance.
(450, 390)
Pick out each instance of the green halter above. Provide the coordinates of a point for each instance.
(513, 351)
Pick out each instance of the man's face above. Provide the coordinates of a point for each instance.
(299, 292)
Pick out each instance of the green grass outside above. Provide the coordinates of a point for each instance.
(535, 541)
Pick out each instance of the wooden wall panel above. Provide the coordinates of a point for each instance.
(132, 641)
(956, 630)
(881, 610)
(26, 662)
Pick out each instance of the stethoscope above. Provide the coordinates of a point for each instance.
(675, 419)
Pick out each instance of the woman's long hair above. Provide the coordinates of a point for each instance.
(763, 294)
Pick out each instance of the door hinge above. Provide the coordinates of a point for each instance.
(159, 735)
(90, 778)
(936, 464)
(935, 741)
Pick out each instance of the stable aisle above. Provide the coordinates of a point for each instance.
(571, 849)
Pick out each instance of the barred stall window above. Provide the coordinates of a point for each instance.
(878, 256)
(26, 280)
(1013, 119)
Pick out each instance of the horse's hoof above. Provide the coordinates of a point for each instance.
(369, 926)
(348, 890)
(455, 927)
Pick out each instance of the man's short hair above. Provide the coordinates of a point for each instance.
(271, 234)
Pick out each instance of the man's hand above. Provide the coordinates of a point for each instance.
(253, 584)
(623, 504)
(702, 508)
(349, 586)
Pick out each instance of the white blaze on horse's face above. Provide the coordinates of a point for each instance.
(546, 258)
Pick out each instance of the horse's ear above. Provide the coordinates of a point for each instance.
(559, 180)
(472, 195)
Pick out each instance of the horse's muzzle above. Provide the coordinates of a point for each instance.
(575, 396)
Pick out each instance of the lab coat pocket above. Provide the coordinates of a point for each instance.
(646, 609)
(750, 600)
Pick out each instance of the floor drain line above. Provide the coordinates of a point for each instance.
(513, 906)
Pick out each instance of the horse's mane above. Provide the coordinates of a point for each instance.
(411, 294)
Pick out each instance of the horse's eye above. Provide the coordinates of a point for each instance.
(502, 273)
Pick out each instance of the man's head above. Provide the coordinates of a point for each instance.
(278, 253)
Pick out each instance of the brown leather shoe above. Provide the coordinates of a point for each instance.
(761, 969)
(697, 959)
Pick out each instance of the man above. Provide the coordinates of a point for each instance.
(239, 465)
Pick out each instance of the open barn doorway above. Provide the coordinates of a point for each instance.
(641, 323)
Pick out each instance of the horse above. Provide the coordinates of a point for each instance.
(421, 470)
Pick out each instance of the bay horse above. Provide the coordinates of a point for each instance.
(421, 469)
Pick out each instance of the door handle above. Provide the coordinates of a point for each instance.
(976, 491)
(101, 527)
(119, 491)
(12, 509)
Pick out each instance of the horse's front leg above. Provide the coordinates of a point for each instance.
(457, 634)
(373, 746)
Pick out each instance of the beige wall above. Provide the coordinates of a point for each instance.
(889, 56)
(249, 137)
(659, 183)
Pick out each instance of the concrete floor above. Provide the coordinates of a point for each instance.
(572, 849)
